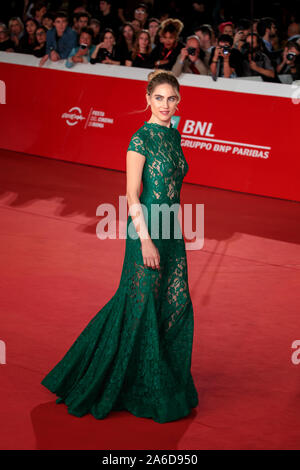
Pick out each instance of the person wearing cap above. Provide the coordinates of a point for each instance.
(141, 13)
(226, 28)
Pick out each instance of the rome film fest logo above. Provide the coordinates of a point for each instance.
(95, 118)
(73, 116)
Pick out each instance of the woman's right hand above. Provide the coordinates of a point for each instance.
(150, 254)
(101, 44)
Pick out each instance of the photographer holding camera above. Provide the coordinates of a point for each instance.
(82, 53)
(256, 62)
(224, 60)
(290, 63)
(189, 61)
(242, 29)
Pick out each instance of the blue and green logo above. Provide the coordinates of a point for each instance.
(175, 121)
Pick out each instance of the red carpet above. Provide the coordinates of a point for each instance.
(56, 275)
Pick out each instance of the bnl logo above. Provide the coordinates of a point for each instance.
(2, 352)
(2, 92)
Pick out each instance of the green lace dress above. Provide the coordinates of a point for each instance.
(135, 353)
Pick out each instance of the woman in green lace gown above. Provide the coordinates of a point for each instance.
(135, 353)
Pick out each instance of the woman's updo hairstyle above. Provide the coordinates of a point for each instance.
(160, 77)
(172, 26)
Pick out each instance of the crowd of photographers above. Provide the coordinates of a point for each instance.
(108, 33)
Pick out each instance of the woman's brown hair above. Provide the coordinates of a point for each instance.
(171, 25)
(136, 46)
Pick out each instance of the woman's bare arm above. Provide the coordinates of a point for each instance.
(134, 169)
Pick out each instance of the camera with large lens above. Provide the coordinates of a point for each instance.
(291, 55)
(191, 50)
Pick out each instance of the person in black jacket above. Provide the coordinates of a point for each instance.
(107, 16)
(6, 44)
(126, 41)
(106, 52)
(16, 28)
(41, 38)
(140, 56)
(165, 54)
(28, 42)
(96, 27)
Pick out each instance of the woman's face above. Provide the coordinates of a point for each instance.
(143, 41)
(127, 32)
(41, 35)
(30, 27)
(168, 40)
(153, 27)
(163, 102)
(15, 27)
(108, 40)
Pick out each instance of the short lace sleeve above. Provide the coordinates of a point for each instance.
(137, 144)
